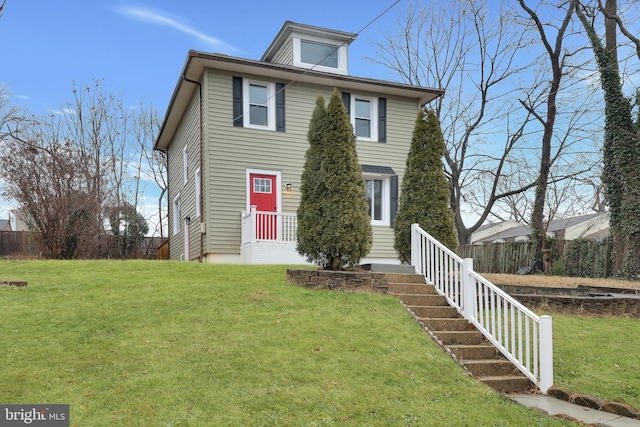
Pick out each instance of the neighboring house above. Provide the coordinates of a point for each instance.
(17, 223)
(5, 225)
(594, 227)
(235, 133)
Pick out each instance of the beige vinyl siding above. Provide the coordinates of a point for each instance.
(401, 116)
(187, 133)
(285, 54)
(230, 151)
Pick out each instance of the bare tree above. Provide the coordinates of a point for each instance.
(41, 172)
(89, 152)
(473, 54)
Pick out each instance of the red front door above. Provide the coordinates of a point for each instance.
(263, 196)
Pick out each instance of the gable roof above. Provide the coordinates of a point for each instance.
(555, 225)
(197, 61)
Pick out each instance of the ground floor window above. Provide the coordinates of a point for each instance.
(176, 214)
(378, 199)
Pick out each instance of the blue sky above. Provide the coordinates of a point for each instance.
(139, 48)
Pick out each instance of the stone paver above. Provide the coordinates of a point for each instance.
(556, 407)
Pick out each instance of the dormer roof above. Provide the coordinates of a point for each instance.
(290, 27)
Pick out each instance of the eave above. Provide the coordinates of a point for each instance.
(197, 62)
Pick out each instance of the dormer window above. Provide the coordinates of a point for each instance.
(306, 46)
(316, 53)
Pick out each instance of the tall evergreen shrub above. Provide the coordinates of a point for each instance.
(334, 227)
(424, 197)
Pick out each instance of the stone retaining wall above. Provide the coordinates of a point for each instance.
(354, 281)
(580, 300)
(606, 306)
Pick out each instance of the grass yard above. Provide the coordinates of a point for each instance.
(145, 343)
(599, 356)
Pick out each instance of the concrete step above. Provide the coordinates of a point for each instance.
(404, 278)
(491, 368)
(473, 352)
(448, 324)
(411, 288)
(435, 311)
(460, 337)
(424, 300)
(508, 384)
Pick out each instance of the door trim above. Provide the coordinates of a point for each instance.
(278, 186)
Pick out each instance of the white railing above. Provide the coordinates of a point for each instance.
(271, 226)
(522, 336)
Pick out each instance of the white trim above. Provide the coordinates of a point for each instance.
(277, 189)
(373, 110)
(187, 239)
(185, 164)
(270, 103)
(386, 197)
(297, 56)
(198, 188)
(176, 218)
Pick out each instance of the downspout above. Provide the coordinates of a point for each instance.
(201, 143)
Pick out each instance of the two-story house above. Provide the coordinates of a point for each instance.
(235, 133)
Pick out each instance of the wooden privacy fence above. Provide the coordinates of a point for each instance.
(20, 244)
(579, 258)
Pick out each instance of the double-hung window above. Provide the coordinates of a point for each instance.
(260, 102)
(258, 105)
(368, 116)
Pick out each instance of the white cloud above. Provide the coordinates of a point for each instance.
(163, 18)
(62, 112)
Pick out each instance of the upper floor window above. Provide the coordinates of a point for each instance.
(260, 101)
(258, 105)
(364, 117)
(319, 53)
(316, 53)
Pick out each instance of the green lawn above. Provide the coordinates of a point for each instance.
(145, 343)
(599, 356)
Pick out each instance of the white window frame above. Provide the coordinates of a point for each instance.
(176, 214)
(386, 197)
(270, 102)
(185, 164)
(373, 110)
(198, 188)
(297, 54)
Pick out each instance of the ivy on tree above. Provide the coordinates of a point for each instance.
(424, 197)
(621, 153)
(334, 227)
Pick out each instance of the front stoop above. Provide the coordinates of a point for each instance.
(456, 335)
